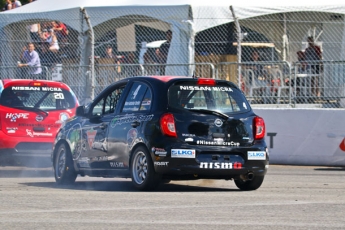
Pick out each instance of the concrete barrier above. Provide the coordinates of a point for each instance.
(305, 136)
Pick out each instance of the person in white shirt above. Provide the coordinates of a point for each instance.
(16, 3)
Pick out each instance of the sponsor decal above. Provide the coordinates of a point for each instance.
(75, 140)
(15, 116)
(11, 130)
(32, 134)
(220, 165)
(131, 136)
(159, 151)
(217, 142)
(206, 88)
(189, 140)
(161, 163)
(183, 153)
(84, 162)
(146, 102)
(256, 155)
(102, 158)
(38, 125)
(218, 122)
(188, 135)
(119, 120)
(132, 103)
(52, 89)
(116, 164)
(91, 134)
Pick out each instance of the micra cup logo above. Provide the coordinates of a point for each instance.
(183, 153)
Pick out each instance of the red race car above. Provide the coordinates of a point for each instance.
(31, 113)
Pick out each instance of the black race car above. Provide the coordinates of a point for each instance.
(161, 128)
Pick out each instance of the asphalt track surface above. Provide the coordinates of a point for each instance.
(291, 197)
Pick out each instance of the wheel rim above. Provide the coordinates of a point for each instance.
(139, 170)
(60, 163)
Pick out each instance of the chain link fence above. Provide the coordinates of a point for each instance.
(267, 55)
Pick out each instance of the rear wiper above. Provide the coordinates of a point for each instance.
(220, 114)
(31, 109)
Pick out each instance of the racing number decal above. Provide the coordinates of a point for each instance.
(59, 96)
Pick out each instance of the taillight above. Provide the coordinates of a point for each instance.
(259, 128)
(167, 123)
(206, 81)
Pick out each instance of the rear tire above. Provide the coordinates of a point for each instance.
(143, 173)
(64, 171)
(249, 185)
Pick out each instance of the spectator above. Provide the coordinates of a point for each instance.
(302, 64)
(255, 65)
(110, 55)
(131, 67)
(8, 5)
(35, 32)
(44, 35)
(60, 30)
(32, 60)
(259, 78)
(16, 4)
(163, 52)
(53, 41)
(313, 57)
(150, 61)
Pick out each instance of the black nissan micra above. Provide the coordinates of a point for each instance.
(155, 129)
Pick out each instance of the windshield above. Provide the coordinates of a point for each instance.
(221, 97)
(43, 98)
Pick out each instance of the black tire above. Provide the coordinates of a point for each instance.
(143, 174)
(64, 171)
(248, 185)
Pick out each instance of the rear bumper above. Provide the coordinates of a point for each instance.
(211, 170)
(214, 162)
(25, 146)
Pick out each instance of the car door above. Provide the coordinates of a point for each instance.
(126, 127)
(95, 129)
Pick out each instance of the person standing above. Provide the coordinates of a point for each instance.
(17, 3)
(32, 62)
(313, 57)
(8, 5)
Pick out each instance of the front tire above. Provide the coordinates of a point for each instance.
(249, 185)
(143, 174)
(64, 171)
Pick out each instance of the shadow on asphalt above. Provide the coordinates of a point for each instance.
(21, 172)
(126, 186)
(330, 169)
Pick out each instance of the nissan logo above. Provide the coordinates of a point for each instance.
(218, 122)
(39, 118)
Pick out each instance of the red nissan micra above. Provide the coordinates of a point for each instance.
(31, 113)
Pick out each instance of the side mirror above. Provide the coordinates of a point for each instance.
(80, 112)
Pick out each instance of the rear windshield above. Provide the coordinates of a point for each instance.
(221, 97)
(44, 98)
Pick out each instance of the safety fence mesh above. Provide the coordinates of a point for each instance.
(277, 66)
